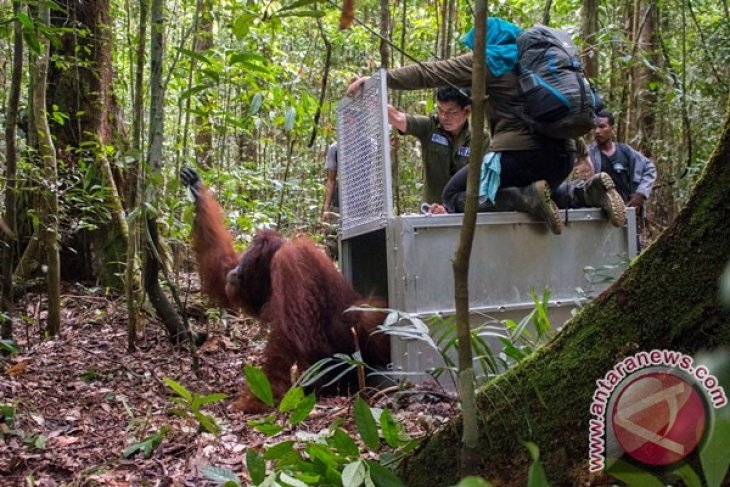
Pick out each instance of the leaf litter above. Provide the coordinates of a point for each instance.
(80, 399)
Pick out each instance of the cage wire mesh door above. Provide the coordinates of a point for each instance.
(363, 158)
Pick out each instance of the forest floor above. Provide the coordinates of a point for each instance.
(79, 399)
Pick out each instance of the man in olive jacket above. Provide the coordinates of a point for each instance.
(444, 137)
(531, 163)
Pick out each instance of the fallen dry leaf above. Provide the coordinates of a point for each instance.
(66, 440)
(17, 369)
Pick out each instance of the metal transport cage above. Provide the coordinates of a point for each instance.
(407, 258)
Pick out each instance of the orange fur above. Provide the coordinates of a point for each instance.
(294, 288)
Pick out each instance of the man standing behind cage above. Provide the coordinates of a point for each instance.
(444, 137)
(620, 175)
(330, 214)
(633, 173)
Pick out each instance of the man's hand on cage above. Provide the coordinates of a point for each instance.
(356, 84)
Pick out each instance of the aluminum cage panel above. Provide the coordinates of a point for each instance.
(363, 158)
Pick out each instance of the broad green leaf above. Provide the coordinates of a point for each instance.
(389, 427)
(220, 475)
(242, 25)
(354, 474)
(192, 91)
(200, 401)
(179, 389)
(25, 21)
(241, 57)
(323, 454)
(256, 102)
(195, 55)
(302, 13)
(383, 476)
(473, 482)
(254, 67)
(207, 423)
(148, 445)
(259, 385)
(7, 413)
(289, 118)
(714, 454)
(9, 346)
(291, 481)
(303, 409)
(31, 39)
(269, 429)
(256, 466)
(298, 3)
(291, 399)
(633, 476)
(536, 476)
(279, 450)
(344, 444)
(366, 424)
(325, 367)
(688, 475)
(132, 449)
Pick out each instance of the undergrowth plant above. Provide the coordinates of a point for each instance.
(190, 404)
(497, 344)
(332, 457)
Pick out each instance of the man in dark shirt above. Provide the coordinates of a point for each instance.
(632, 172)
(622, 176)
(444, 137)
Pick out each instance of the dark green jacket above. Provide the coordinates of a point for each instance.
(441, 156)
(507, 130)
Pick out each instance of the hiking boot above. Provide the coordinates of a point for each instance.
(600, 191)
(534, 200)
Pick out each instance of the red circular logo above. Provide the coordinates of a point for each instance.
(659, 418)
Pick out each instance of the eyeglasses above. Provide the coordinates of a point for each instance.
(449, 113)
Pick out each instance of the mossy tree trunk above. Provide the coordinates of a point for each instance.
(84, 95)
(668, 299)
(132, 285)
(11, 158)
(46, 154)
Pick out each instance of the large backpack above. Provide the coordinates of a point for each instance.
(559, 101)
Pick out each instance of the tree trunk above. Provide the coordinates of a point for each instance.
(451, 16)
(646, 78)
(667, 299)
(467, 383)
(546, 12)
(203, 41)
(588, 30)
(47, 156)
(442, 6)
(11, 158)
(166, 312)
(131, 281)
(85, 95)
(385, 32)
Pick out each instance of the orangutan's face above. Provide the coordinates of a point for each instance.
(232, 286)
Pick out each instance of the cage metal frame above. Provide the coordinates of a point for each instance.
(366, 195)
